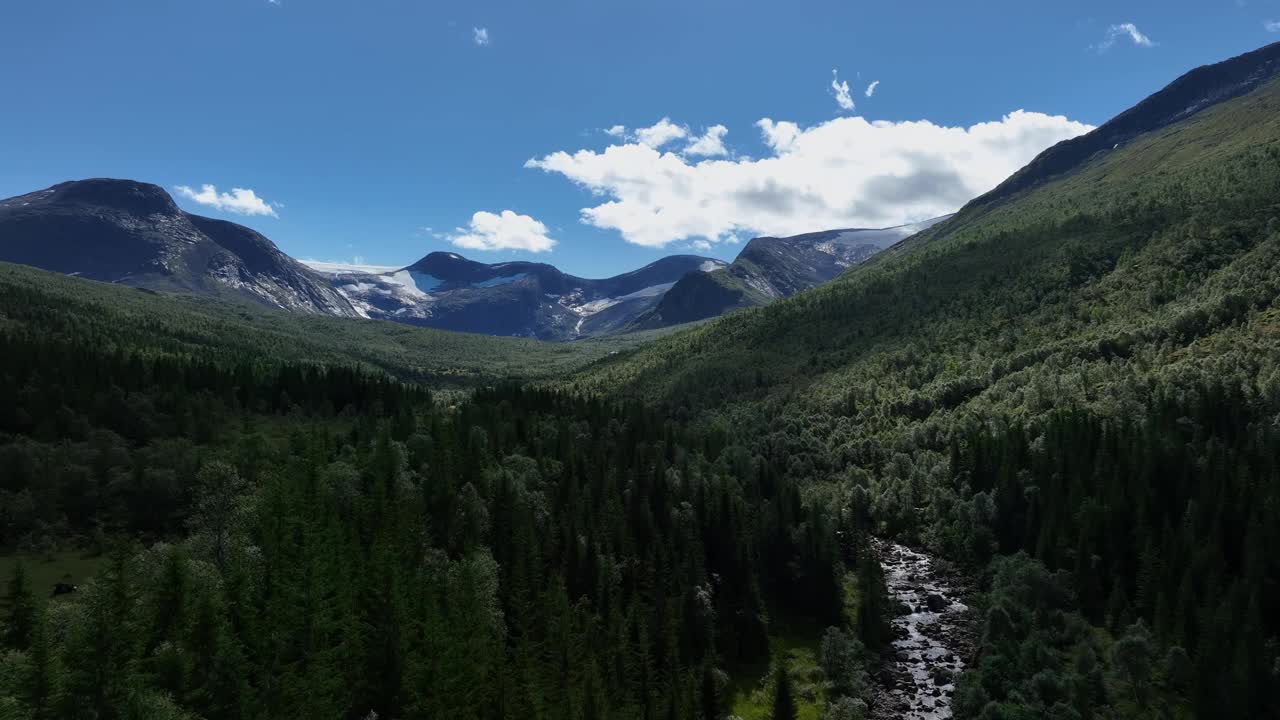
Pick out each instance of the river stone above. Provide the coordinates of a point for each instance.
(936, 602)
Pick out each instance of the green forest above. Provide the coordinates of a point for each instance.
(1071, 397)
(288, 540)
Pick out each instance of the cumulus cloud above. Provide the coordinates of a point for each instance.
(480, 36)
(846, 172)
(711, 144)
(505, 231)
(241, 201)
(660, 133)
(841, 92)
(1272, 25)
(872, 87)
(1124, 30)
(664, 132)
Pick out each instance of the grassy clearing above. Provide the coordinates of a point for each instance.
(750, 691)
(46, 569)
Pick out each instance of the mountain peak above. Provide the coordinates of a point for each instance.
(132, 232)
(130, 196)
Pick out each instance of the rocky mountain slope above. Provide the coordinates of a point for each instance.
(447, 291)
(769, 268)
(128, 232)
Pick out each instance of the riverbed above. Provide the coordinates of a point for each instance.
(932, 637)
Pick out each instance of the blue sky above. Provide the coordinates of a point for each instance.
(378, 129)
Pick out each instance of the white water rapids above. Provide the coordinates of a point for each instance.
(917, 681)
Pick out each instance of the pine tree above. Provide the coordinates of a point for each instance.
(783, 704)
(709, 696)
(41, 687)
(20, 621)
(1132, 657)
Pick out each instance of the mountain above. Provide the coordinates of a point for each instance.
(1098, 239)
(128, 232)
(447, 291)
(1074, 383)
(769, 268)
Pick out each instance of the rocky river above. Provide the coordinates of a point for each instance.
(933, 636)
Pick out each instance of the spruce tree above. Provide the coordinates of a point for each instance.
(20, 621)
(784, 704)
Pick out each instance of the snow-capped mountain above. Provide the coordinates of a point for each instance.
(128, 232)
(769, 268)
(447, 291)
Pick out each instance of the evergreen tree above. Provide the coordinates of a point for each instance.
(782, 704)
(22, 616)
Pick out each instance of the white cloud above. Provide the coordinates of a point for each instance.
(700, 245)
(240, 201)
(480, 35)
(660, 133)
(779, 136)
(841, 92)
(1129, 30)
(872, 87)
(616, 131)
(1272, 25)
(505, 231)
(711, 144)
(846, 172)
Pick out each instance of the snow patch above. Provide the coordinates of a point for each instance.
(594, 306)
(425, 282)
(503, 280)
(325, 266)
(406, 281)
(651, 291)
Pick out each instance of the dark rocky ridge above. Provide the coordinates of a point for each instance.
(447, 291)
(769, 268)
(123, 231)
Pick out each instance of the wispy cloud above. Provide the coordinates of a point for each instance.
(1124, 30)
(1272, 25)
(841, 92)
(480, 36)
(872, 87)
(502, 231)
(241, 201)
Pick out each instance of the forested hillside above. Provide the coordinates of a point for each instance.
(282, 539)
(1084, 370)
(54, 306)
